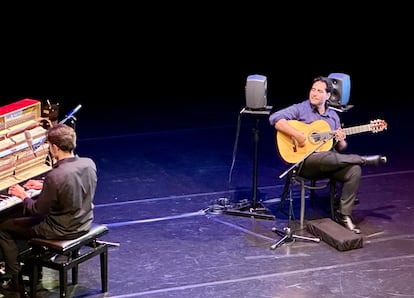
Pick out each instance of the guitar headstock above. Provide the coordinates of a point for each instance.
(377, 125)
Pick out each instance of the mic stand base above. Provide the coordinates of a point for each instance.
(288, 236)
(258, 211)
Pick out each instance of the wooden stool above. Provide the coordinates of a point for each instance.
(76, 251)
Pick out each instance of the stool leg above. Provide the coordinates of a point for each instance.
(104, 269)
(75, 270)
(312, 192)
(63, 281)
(333, 199)
(33, 280)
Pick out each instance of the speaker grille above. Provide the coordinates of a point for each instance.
(341, 84)
(256, 92)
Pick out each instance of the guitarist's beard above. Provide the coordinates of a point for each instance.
(315, 107)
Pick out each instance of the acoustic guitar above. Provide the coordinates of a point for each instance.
(319, 136)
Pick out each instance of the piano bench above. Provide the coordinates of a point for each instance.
(48, 253)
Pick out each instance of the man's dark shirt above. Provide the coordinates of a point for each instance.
(66, 199)
(304, 112)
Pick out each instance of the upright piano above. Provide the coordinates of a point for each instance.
(24, 154)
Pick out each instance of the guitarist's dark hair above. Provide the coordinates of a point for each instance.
(327, 81)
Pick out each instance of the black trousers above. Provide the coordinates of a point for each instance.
(344, 168)
(14, 233)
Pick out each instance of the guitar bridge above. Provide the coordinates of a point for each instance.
(295, 149)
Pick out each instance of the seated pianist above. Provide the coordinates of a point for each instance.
(63, 209)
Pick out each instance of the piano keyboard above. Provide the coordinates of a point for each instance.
(7, 202)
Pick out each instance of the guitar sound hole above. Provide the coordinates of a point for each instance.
(315, 137)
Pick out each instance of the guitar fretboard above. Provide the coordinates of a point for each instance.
(357, 129)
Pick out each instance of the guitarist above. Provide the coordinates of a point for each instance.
(331, 164)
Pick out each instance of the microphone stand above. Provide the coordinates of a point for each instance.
(288, 234)
(71, 116)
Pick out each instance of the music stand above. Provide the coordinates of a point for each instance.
(255, 209)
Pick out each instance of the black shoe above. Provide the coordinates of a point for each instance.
(356, 202)
(346, 221)
(374, 160)
(4, 277)
(26, 271)
(14, 286)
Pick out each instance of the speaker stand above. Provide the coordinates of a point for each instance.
(255, 209)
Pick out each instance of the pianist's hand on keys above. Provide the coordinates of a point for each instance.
(20, 191)
(33, 184)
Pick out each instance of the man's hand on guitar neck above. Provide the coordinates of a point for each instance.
(340, 137)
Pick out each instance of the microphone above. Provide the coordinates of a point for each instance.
(71, 113)
(29, 141)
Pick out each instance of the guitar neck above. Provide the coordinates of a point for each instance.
(357, 129)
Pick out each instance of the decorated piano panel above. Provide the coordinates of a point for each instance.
(24, 154)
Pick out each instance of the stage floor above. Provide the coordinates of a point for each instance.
(164, 196)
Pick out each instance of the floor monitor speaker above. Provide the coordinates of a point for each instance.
(256, 92)
(341, 84)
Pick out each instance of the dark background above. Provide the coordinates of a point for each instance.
(138, 70)
(179, 66)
